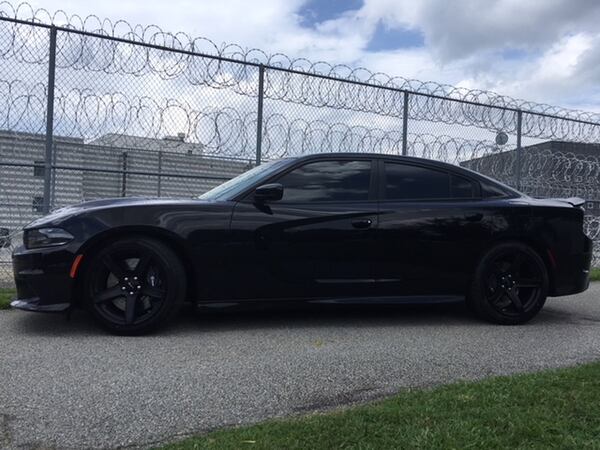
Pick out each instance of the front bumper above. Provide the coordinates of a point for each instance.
(33, 304)
(42, 279)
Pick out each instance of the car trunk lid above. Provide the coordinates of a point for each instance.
(574, 201)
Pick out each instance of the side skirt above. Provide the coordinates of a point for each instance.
(404, 300)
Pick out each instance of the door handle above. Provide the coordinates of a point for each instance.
(474, 217)
(362, 224)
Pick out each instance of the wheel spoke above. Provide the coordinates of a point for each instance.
(143, 265)
(514, 298)
(153, 292)
(108, 294)
(502, 300)
(528, 283)
(114, 266)
(130, 308)
(495, 295)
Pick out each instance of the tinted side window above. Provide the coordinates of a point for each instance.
(326, 181)
(488, 190)
(404, 181)
(462, 187)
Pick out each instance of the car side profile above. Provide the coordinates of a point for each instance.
(364, 228)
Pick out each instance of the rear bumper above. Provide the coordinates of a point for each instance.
(42, 279)
(573, 273)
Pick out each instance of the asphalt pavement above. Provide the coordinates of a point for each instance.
(70, 385)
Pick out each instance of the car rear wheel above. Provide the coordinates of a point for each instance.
(510, 284)
(134, 285)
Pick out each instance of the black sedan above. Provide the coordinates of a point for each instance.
(330, 227)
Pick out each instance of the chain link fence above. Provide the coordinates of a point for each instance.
(92, 109)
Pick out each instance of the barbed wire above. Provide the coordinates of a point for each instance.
(544, 172)
(469, 107)
(113, 117)
(591, 225)
(89, 115)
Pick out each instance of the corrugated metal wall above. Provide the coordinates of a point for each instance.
(85, 172)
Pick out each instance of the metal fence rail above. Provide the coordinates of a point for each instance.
(90, 108)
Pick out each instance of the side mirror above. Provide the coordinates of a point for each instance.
(268, 192)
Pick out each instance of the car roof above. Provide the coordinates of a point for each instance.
(367, 155)
(398, 158)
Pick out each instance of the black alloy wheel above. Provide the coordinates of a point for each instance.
(134, 285)
(510, 285)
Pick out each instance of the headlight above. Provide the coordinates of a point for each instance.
(46, 237)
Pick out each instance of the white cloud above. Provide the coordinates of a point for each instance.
(468, 42)
(461, 28)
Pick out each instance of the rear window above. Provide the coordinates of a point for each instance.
(405, 181)
(462, 187)
(489, 190)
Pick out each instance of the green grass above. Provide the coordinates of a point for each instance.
(595, 274)
(6, 295)
(552, 409)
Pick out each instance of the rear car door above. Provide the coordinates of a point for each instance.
(318, 240)
(430, 229)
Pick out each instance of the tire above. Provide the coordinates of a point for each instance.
(510, 285)
(134, 285)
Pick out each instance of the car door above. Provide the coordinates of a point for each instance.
(430, 229)
(317, 240)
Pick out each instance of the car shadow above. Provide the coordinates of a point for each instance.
(318, 315)
(295, 316)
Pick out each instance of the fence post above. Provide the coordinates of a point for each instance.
(124, 178)
(259, 119)
(519, 149)
(405, 125)
(49, 122)
(160, 158)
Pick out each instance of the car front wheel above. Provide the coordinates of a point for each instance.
(134, 285)
(510, 284)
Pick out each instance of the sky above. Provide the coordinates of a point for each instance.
(546, 51)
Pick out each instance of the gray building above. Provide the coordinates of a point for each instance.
(110, 166)
(22, 175)
(549, 169)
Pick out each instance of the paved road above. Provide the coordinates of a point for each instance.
(68, 385)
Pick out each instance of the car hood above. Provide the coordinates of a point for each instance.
(94, 205)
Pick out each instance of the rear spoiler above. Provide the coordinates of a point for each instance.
(574, 201)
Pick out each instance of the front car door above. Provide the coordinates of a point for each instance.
(430, 229)
(317, 241)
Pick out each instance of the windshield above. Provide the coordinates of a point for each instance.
(235, 186)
